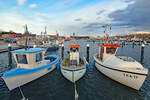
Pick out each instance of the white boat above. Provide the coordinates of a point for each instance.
(122, 69)
(31, 64)
(73, 67)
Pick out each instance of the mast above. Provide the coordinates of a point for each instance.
(45, 33)
(106, 32)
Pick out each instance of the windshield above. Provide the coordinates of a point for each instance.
(21, 58)
(38, 57)
(110, 50)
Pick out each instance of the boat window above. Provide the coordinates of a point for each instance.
(74, 49)
(21, 59)
(110, 50)
(38, 57)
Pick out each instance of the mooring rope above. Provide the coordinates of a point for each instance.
(75, 90)
(23, 97)
(76, 93)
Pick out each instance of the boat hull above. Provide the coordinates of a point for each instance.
(52, 48)
(73, 75)
(128, 78)
(16, 81)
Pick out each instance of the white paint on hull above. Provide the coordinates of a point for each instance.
(132, 80)
(73, 75)
(16, 81)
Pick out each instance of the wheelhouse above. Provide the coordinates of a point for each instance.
(107, 50)
(74, 54)
(30, 58)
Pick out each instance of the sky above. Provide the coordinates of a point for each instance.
(83, 17)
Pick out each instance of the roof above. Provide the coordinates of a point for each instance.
(109, 45)
(74, 46)
(22, 71)
(50, 39)
(30, 50)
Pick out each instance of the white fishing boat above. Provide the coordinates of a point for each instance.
(73, 67)
(122, 69)
(31, 64)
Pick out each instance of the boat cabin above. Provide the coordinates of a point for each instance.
(107, 50)
(30, 58)
(74, 54)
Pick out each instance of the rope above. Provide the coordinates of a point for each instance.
(76, 93)
(23, 97)
(75, 90)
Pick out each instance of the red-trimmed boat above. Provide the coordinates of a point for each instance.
(73, 67)
(122, 69)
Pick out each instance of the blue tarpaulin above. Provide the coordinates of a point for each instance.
(51, 39)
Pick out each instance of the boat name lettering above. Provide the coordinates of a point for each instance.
(130, 75)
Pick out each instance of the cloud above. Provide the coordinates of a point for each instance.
(135, 16)
(43, 16)
(78, 19)
(100, 12)
(93, 26)
(21, 2)
(32, 6)
(83, 19)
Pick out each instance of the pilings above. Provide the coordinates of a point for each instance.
(142, 53)
(62, 51)
(87, 52)
(9, 56)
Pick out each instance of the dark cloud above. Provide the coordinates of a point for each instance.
(93, 26)
(136, 15)
(128, 1)
(100, 12)
(78, 19)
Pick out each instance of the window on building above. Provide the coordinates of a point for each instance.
(21, 58)
(38, 57)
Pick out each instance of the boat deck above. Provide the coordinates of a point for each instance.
(125, 58)
(73, 63)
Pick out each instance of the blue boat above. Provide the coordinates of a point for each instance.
(31, 64)
(52, 48)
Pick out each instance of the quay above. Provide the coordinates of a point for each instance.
(4, 46)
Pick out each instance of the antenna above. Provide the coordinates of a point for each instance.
(45, 30)
(106, 32)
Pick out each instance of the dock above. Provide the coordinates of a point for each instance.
(4, 46)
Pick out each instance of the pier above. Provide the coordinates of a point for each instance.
(4, 46)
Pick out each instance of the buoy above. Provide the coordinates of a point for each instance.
(58, 65)
(93, 63)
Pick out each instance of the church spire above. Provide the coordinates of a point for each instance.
(26, 30)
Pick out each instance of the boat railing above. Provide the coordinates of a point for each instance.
(124, 58)
(73, 67)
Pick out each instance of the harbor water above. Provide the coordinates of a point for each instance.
(93, 86)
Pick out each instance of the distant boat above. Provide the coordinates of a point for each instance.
(73, 67)
(122, 69)
(67, 39)
(50, 48)
(31, 64)
(51, 44)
